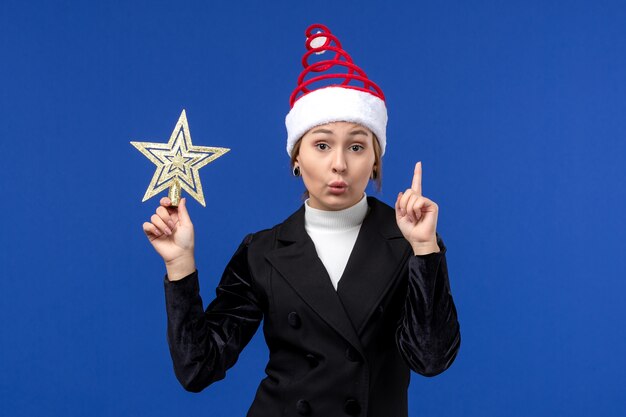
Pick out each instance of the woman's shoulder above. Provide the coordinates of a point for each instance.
(381, 206)
(290, 227)
(383, 217)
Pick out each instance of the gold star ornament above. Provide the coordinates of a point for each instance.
(178, 162)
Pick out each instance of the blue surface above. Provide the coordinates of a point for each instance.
(517, 110)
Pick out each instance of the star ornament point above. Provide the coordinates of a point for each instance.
(178, 161)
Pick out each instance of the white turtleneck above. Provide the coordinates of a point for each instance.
(334, 234)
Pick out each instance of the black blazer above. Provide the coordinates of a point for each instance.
(332, 352)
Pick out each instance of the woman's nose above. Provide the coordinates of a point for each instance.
(339, 162)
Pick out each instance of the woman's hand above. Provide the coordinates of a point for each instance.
(171, 233)
(416, 216)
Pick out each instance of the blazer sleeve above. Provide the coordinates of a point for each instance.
(205, 343)
(428, 334)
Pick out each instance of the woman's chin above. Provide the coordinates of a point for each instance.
(335, 202)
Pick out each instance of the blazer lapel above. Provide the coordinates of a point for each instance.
(298, 263)
(373, 265)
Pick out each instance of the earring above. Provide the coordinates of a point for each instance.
(296, 171)
(374, 174)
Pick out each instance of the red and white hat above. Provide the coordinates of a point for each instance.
(342, 93)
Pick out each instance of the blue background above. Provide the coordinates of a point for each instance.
(516, 110)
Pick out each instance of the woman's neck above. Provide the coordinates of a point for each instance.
(336, 220)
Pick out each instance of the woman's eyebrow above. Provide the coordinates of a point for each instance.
(358, 132)
(330, 132)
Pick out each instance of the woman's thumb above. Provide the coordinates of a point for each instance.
(183, 214)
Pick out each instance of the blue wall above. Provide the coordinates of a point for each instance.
(517, 110)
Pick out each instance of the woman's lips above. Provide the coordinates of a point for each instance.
(337, 187)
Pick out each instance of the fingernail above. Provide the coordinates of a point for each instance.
(168, 231)
(171, 224)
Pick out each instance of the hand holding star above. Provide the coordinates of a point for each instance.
(171, 233)
(416, 216)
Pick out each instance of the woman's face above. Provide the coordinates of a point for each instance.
(336, 161)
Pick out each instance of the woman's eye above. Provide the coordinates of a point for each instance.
(356, 148)
(322, 146)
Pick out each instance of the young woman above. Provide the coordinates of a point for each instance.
(353, 294)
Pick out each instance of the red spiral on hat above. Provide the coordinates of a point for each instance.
(340, 59)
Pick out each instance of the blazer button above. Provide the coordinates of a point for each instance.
(294, 320)
(352, 407)
(303, 407)
(313, 361)
(353, 355)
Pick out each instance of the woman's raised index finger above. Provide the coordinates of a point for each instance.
(417, 179)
